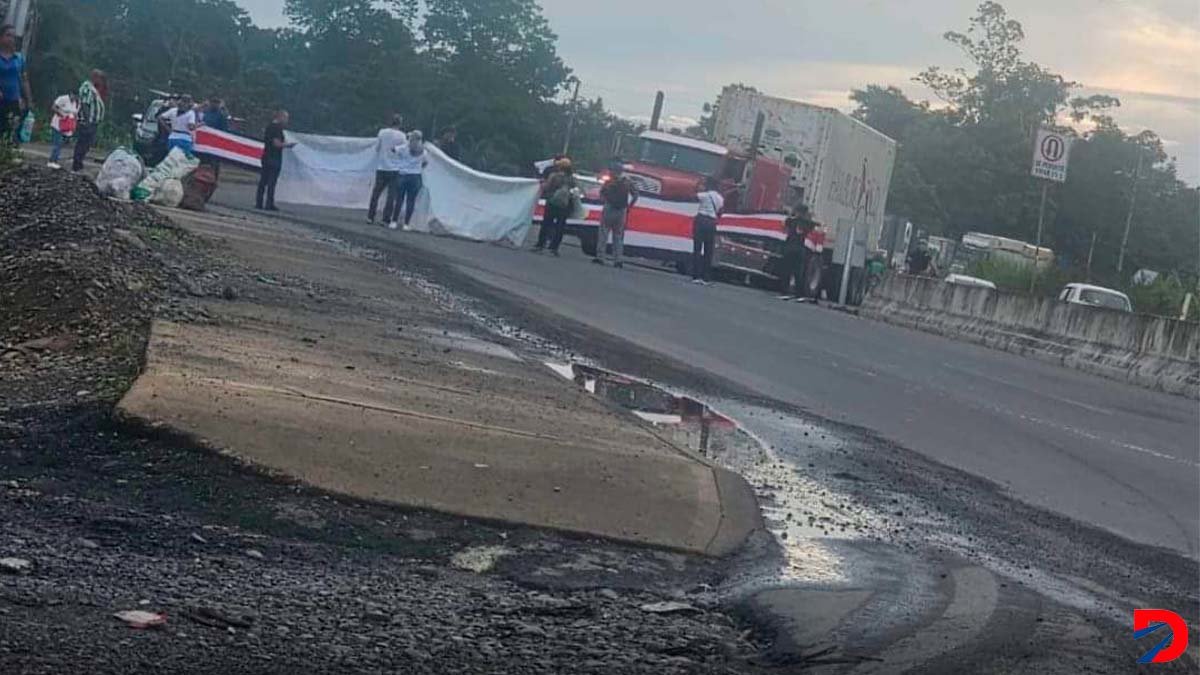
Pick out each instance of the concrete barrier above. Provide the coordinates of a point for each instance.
(1150, 351)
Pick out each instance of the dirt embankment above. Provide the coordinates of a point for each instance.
(80, 279)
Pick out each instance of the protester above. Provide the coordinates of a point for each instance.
(274, 143)
(91, 113)
(62, 126)
(183, 122)
(557, 191)
(387, 169)
(619, 194)
(411, 161)
(448, 143)
(15, 94)
(792, 265)
(704, 230)
(215, 116)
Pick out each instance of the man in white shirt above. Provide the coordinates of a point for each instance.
(411, 160)
(704, 230)
(386, 170)
(183, 122)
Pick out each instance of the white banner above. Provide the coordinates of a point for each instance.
(1050, 155)
(456, 200)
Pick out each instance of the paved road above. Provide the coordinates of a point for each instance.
(1097, 450)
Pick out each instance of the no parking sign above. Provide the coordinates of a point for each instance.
(1050, 155)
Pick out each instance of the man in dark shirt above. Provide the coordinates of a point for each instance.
(619, 194)
(795, 256)
(272, 161)
(448, 143)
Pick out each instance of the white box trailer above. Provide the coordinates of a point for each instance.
(841, 168)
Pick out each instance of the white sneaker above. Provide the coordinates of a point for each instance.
(54, 165)
(698, 281)
(393, 225)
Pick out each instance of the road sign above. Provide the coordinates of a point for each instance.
(1050, 155)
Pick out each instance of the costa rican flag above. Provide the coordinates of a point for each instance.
(239, 149)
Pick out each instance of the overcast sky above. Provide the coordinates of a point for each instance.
(1146, 52)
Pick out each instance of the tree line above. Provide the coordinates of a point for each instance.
(487, 67)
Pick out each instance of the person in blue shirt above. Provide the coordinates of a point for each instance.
(15, 94)
(215, 116)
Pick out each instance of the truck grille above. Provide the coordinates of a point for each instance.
(645, 184)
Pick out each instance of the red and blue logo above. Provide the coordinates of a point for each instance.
(1164, 624)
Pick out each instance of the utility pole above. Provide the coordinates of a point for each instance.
(571, 120)
(1091, 251)
(1129, 217)
(1037, 250)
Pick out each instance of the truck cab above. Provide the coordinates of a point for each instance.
(672, 167)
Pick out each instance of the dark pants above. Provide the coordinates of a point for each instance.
(266, 185)
(704, 237)
(793, 269)
(554, 224)
(10, 122)
(85, 138)
(407, 188)
(384, 181)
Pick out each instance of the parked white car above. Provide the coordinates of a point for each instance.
(1095, 296)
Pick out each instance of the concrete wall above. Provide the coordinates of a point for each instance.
(1150, 351)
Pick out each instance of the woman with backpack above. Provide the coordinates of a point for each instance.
(558, 193)
(62, 126)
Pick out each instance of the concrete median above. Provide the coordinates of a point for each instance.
(426, 418)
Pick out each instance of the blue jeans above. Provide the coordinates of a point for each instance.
(183, 144)
(57, 141)
(406, 186)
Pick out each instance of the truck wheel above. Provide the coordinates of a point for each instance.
(587, 241)
(683, 266)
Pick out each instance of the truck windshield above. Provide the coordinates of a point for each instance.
(679, 157)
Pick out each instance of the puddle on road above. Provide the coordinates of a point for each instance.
(803, 514)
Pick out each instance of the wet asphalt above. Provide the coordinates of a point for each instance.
(1097, 451)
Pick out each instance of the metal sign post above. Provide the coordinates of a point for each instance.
(1051, 153)
(844, 286)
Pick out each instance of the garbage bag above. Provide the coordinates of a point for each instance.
(176, 165)
(170, 193)
(121, 171)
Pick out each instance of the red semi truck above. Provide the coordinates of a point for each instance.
(771, 155)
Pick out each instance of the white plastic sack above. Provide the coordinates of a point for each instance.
(121, 171)
(456, 200)
(170, 193)
(176, 165)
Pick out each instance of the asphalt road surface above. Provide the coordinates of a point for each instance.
(1099, 451)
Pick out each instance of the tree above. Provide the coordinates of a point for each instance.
(965, 165)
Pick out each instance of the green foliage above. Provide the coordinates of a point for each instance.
(1165, 297)
(964, 166)
(1012, 276)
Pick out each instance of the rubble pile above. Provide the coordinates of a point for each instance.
(80, 278)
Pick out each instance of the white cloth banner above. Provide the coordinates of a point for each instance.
(456, 200)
